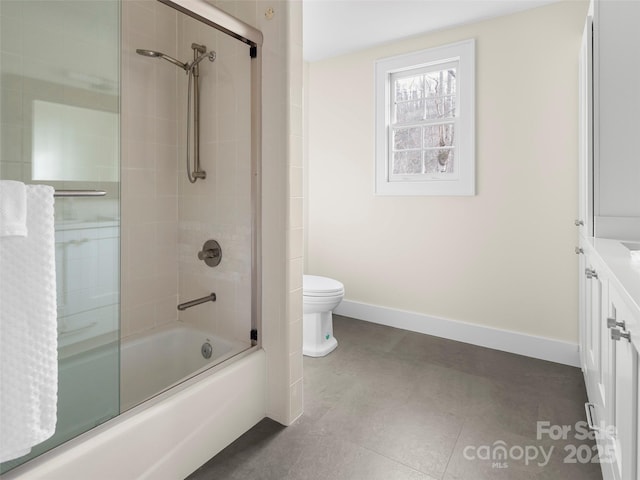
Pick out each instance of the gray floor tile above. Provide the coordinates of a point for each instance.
(328, 458)
(477, 456)
(391, 404)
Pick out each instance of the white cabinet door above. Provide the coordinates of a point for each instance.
(623, 383)
(597, 375)
(595, 321)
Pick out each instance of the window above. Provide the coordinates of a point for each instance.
(425, 122)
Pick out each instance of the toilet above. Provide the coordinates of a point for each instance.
(320, 296)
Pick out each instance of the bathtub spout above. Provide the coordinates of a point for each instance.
(197, 301)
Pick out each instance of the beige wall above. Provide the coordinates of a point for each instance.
(503, 258)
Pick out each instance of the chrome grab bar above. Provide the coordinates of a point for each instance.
(79, 193)
(197, 301)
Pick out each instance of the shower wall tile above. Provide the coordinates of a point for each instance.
(295, 182)
(219, 207)
(295, 367)
(295, 209)
(295, 275)
(149, 168)
(139, 17)
(296, 396)
(295, 222)
(295, 337)
(166, 29)
(296, 246)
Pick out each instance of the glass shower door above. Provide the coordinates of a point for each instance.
(60, 120)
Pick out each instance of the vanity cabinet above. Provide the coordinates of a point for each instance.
(595, 351)
(609, 345)
(608, 212)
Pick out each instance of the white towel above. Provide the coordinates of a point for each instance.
(28, 330)
(13, 209)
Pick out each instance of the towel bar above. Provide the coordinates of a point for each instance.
(79, 193)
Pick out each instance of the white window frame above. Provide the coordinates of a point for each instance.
(462, 181)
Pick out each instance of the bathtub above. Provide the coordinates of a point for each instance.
(155, 361)
(172, 433)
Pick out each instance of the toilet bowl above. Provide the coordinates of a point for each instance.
(320, 295)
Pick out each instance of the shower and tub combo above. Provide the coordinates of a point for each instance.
(149, 333)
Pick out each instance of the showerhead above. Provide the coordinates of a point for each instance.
(155, 54)
(148, 53)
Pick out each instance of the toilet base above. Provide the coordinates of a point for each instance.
(317, 334)
(320, 350)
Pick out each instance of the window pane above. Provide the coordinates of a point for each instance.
(438, 135)
(427, 96)
(409, 111)
(407, 162)
(440, 83)
(440, 160)
(410, 88)
(440, 90)
(407, 138)
(440, 107)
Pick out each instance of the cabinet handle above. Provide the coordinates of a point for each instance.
(590, 273)
(578, 223)
(613, 323)
(587, 408)
(617, 335)
(579, 250)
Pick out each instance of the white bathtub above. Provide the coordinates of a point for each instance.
(168, 436)
(157, 360)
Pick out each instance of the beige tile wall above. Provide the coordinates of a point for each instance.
(295, 211)
(167, 219)
(149, 152)
(218, 207)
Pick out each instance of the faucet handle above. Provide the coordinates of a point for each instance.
(211, 253)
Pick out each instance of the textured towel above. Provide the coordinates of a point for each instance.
(13, 209)
(28, 330)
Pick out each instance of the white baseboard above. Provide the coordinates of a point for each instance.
(514, 342)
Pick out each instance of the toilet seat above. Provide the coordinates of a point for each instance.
(316, 286)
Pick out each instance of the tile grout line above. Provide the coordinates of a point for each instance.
(393, 459)
(464, 422)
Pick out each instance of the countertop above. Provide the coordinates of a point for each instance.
(622, 271)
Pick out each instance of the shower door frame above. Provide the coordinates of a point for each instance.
(225, 23)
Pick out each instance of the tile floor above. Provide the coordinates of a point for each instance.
(390, 404)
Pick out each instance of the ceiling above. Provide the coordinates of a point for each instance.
(336, 27)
